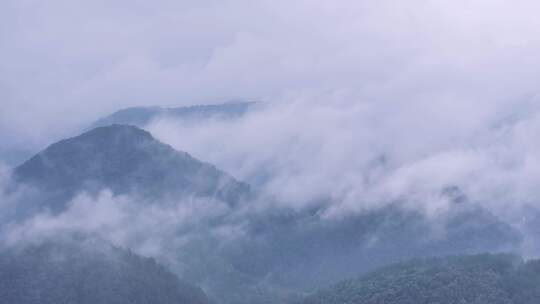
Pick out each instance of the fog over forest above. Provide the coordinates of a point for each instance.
(269, 151)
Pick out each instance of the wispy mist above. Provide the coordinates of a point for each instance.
(362, 153)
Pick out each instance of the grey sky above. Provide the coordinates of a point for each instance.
(64, 62)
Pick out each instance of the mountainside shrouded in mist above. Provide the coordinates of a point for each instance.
(125, 160)
(88, 272)
(142, 116)
(278, 254)
(265, 151)
(478, 279)
(314, 251)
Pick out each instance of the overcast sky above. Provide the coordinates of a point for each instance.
(66, 62)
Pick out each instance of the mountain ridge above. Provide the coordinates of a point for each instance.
(143, 115)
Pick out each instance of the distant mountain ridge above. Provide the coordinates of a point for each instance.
(125, 160)
(141, 116)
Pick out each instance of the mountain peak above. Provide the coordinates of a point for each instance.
(117, 130)
(125, 160)
(111, 137)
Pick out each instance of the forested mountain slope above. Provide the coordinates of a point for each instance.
(478, 279)
(88, 273)
(125, 160)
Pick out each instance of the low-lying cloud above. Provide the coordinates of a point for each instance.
(162, 231)
(364, 153)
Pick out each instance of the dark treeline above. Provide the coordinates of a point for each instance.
(478, 279)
